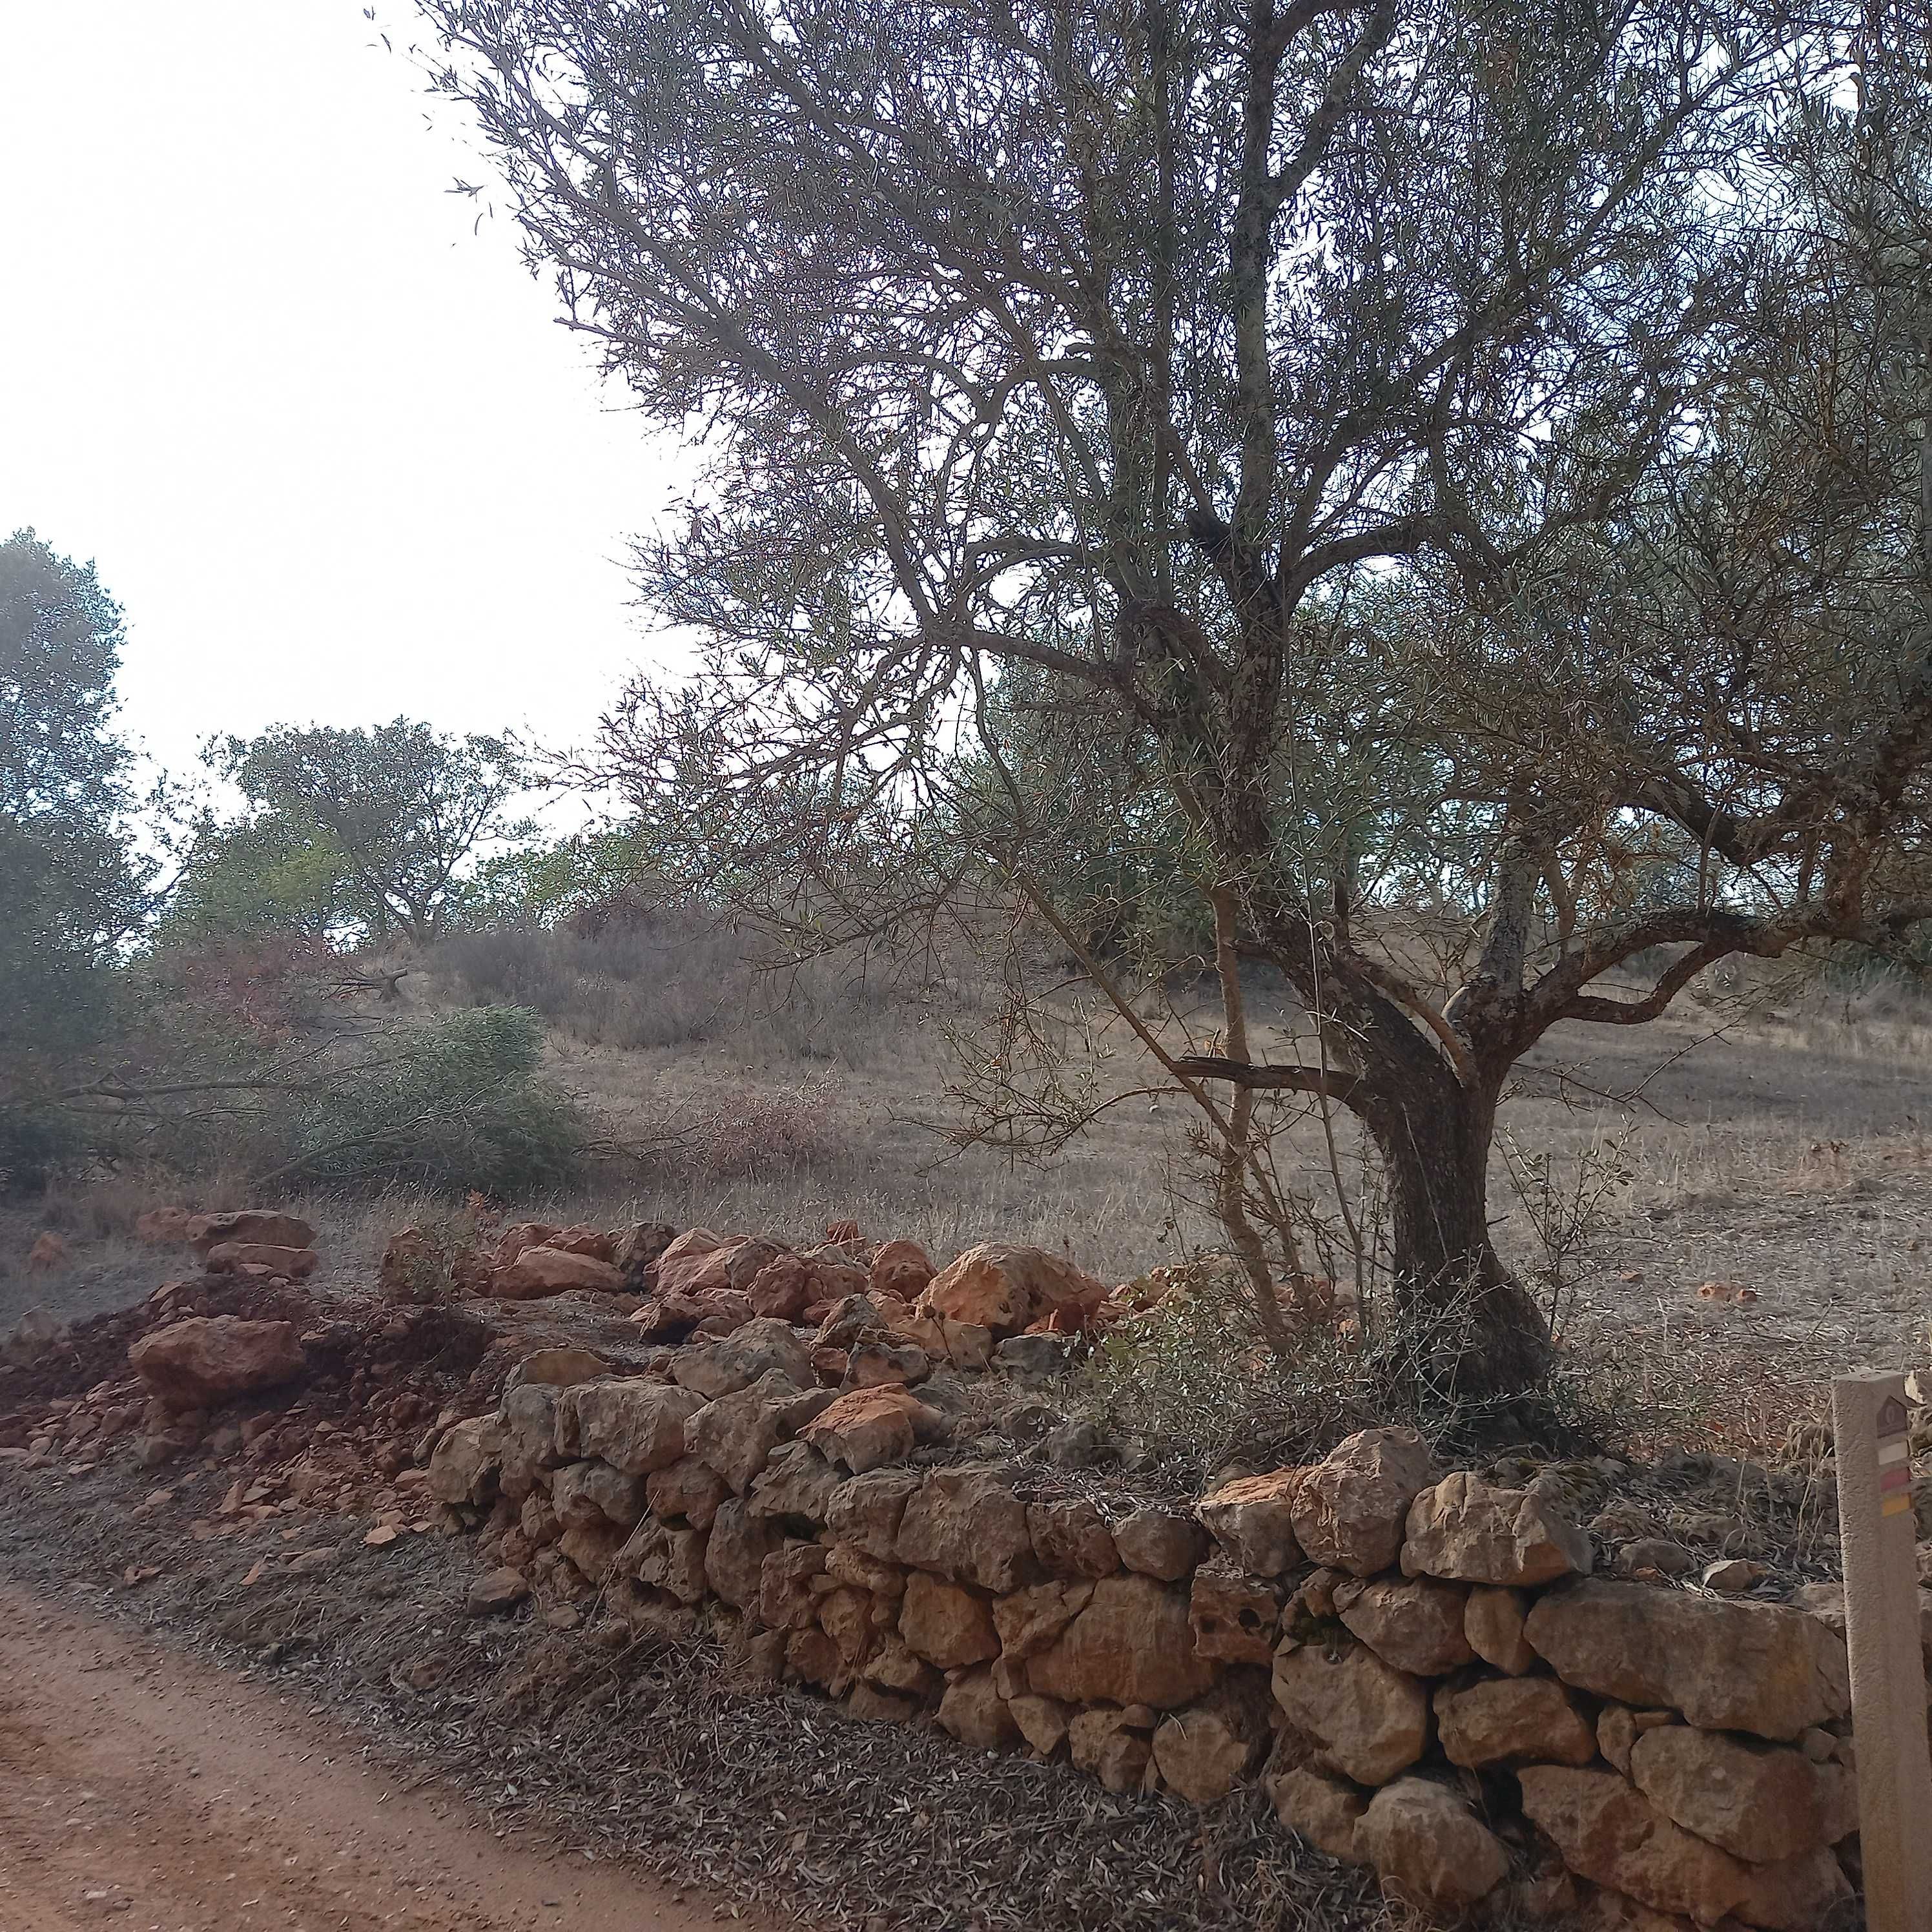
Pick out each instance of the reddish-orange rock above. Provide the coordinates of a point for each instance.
(204, 1359)
(541, 1271)
(866, 1427)
(1005, 1287)
(902, 1270)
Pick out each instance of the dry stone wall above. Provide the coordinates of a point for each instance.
(1419, 1664)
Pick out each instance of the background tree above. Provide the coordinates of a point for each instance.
(71, 884)
(371, 832)
(1129, 344)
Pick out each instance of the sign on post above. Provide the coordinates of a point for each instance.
(1871, 1423)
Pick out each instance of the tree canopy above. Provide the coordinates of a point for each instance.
(368, 832)
(1407, 440)
(69, 879)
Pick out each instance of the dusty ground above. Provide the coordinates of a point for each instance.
(140, 1789)
(761, 1808)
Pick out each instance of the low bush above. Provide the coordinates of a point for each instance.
(673, 979)
(761, 1129)
(1194, 1381)
(451, 1106)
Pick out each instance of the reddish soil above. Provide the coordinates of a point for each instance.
(139, 1790)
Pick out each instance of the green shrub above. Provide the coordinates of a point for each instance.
(454, 1104)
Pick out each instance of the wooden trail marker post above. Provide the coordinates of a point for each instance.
(1869, 1422)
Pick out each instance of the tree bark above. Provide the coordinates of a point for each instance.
(1476, 1329)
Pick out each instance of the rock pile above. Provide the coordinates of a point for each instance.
(700, 1282)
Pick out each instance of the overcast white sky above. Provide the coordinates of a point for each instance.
(323, 439)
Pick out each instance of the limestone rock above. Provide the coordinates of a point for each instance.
(812, 1657)
(1104, 1745)
(462, 1469)
(846, 1563)
(1042, 1720)
(1235, 1619)
(541, 1271)
(893, 1666)
(870, 1704)
(1366, 1719)
(787, 1600)
(846, 1616)
(797, 1483)
(1805, 1894)
(1609, 1832)
(527, 1434)
(736, 1361)
(1131, 1645)
(669, 1316)
(203, 1360)
(1492, 1623)
(687, 1488)
(697, 1260)
(1430, 1851)
(666, 1558)
(1618, 1727)
(945, 1623)
(1252, 1519)
(1072, 1539)
(1466, 1531)
(266, 1226)
(1204, 1754)
(635, 1425)
(976, 1714)
(1512, 1720)
(867, 1511)
(1325, 1810)
(736, 1433)
(1760, 1802)
(734, 1557)
(1029, 1620)
(1351, 1507)
(1416, 1626)
(1764, 1668)
(783, 1289)
(585, 1494)
(967, 1525)
(592, 1547)
(1158, 1542)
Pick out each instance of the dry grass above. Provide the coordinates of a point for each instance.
(1775, 1137)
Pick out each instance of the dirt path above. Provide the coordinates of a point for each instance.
(141, 1792)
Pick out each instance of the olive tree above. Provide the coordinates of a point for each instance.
(1136, 345)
